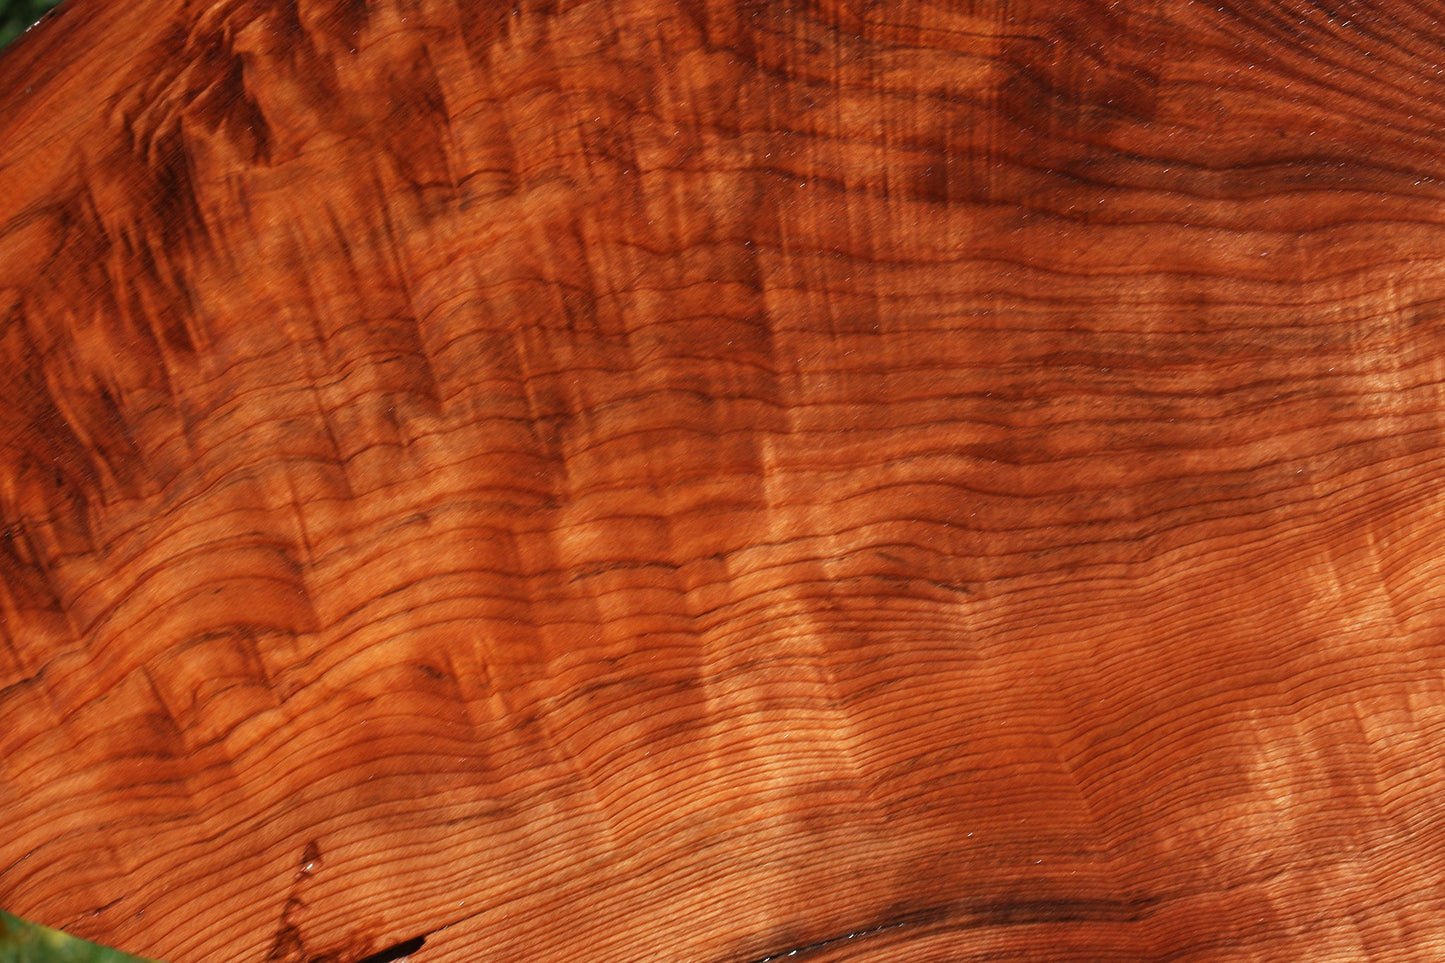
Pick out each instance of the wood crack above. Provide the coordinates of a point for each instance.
(801, 951)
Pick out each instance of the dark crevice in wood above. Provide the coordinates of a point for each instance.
(798, 952)
(398, 952)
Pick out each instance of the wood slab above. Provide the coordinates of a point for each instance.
(725, 480)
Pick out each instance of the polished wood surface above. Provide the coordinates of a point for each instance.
(726, 480)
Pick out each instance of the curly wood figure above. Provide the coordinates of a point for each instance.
(720, 481)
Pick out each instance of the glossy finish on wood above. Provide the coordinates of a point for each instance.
(696, 481)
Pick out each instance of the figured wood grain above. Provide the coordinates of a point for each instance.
(704, 480)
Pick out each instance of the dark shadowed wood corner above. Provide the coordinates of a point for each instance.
(724, 480)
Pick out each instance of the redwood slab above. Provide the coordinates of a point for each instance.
(725, 480)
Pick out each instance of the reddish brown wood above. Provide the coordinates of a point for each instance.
(702, 480)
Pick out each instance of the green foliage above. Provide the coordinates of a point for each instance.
(22, 942)
(16, 15)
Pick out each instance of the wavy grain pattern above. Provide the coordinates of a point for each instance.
(725, 480)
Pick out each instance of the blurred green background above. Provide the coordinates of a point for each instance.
(16, 15)
(22, 942)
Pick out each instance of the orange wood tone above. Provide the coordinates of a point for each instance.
(725, 480)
